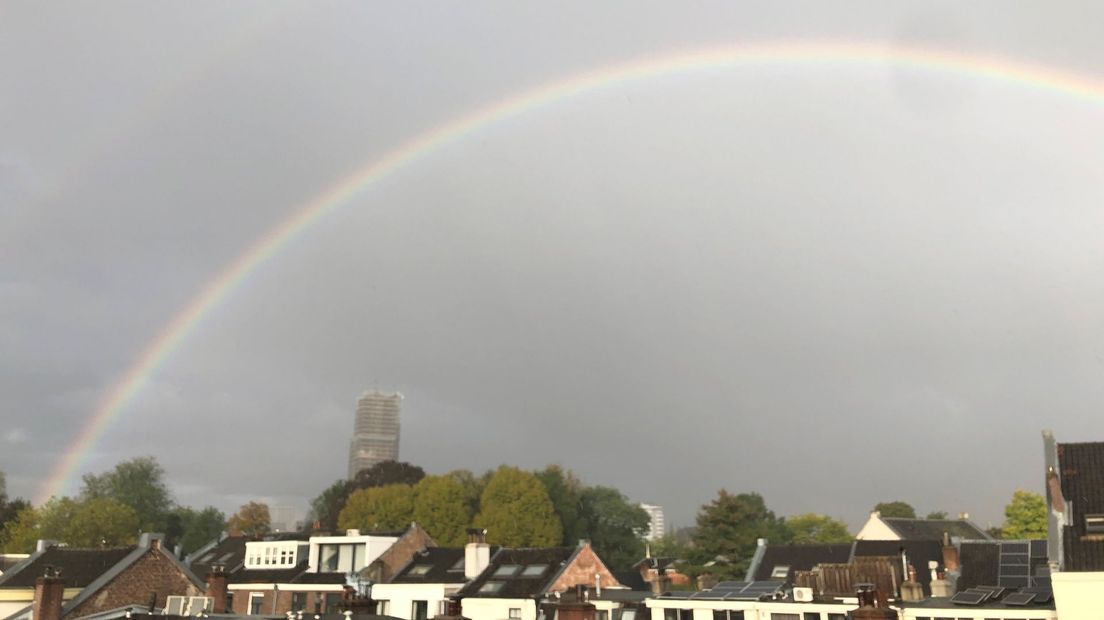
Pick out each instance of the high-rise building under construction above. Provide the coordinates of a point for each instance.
(375, 431)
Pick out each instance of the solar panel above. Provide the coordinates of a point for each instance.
(969, 598)
(1042, 595)
(995, 592)
(1019, 598)
(985, 594)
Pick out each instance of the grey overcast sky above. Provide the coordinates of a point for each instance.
(833, 283)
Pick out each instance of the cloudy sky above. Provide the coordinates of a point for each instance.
(831, 282)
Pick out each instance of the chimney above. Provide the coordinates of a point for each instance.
(477, 553)
(910, 589)
(44, 544)
(950, 554)
(661, 581)
(872, 605)
(216, 588)
(48, 595)
(579, 609)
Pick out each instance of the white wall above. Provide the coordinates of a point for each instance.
(498, 608)
(1078, 596)
(875, 529)
(401, 596)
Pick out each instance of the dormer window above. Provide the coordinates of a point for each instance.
(272, 553)
(1094, 524)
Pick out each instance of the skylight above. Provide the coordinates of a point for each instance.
(491, 587)
(419, 569)
(534, 570)
(507, 570)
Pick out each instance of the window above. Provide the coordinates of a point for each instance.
(506, 570)
(534, 570)
(458, 567)
(515, 613)
(338, 558)
(419, 610)
(255, 601)
(602, 615)
(785, 616)
(844, 617)
(1094, 524)
(670, 614)
(333, 603)
(629, 614)
(298, 601)
(810, 615)
(383, 608)
(419, 570)
(491, 587)
(229, 602)
(780, 572)
(686, 614)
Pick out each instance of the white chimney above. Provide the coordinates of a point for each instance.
(477, 554)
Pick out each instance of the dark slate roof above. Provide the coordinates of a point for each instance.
(918, 552)
(321, 578)
(230, 552)
(433, 565)
(633, 580)
(519, 585)
(799, 558)
(269, 575)
(79, 567)
(933, 529)
(1081, 468)
(980, 562)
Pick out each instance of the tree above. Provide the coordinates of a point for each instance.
(386, 473)
(613, 525)
(101, 521)
(325, 508)
(20, 534)
(812, 528)
(729, 526)
(379, 509)
(516, 511)
(252, 520)
(564, 490)
(669, 546)
(896, 510)
(441, 507)
(1025, 517)
(138, 483)
(936, 515)
(473, 487)
(197, 528)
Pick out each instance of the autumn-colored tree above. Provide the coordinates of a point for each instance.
(1025, 516)
(252, 520)
(379, 508)
(813, 528)
(441, 507)
(516, 511)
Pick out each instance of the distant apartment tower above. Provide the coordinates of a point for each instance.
(375, 431)
(657, 526)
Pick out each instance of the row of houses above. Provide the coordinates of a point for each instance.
(896, 568)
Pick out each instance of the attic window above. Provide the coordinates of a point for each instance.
(507, 570)
(420, 569)
(459, 566)
(1094, 524)
(491, 587)
(780, 572)
(534, 570)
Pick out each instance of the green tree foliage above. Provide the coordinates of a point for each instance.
(20, 534)
(379, 508)
(252, 520)
(138, 483)
(613, 525)
(564, 489)
(1025, 516)
(473, 487)
(516, 511)
(896, 510)
(670, 545)
(936, 515)
(441, 507)
(101, 521)
(9, 508)
(728, 527)
(813, 528)
(194, 528)
(327, 506)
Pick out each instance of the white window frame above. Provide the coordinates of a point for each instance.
(249, 607)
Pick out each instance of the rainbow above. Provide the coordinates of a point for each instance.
(215, 292)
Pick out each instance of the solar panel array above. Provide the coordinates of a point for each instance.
(741, 591)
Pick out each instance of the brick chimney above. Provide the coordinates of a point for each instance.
(578, 609)
(216, 588)
(911, 591)
(872, 605)
(49, 594)
(950, 554)
(477, 553)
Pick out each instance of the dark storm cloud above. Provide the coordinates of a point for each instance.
(832, 285)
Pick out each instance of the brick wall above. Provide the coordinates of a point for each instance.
(399, 554)
(582, 570)
(153, 572)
